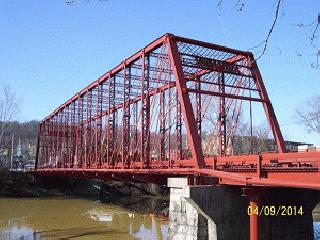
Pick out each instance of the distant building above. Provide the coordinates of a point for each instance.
(30, 164)
(19, 149)
(294, 146)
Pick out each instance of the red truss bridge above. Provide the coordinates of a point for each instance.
(173, 109)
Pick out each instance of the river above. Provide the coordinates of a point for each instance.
(73, 218)
(77, 218)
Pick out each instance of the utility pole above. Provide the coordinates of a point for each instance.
(11, 152)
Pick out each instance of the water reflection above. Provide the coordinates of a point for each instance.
(75, 218)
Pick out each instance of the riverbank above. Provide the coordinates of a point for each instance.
(144, 198)
(21, 184)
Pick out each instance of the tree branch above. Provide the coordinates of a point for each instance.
(265, 42)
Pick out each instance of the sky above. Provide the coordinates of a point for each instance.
(49, 50)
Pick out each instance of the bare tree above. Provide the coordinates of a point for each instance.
(312, 26)
(261, 138)
(264, 43)
(262, 46)
(309, 114)
(9, 107)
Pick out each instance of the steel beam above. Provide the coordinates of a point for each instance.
(187, 110)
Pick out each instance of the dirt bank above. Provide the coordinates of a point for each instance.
(147, 198)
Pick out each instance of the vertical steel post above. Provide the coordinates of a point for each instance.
(222, 118)
(90, 144)
(254, 219)
(169, 123)
(162, 125)
(38, 146)
(178, 129)
(73, 131)
(135, 123)
(70, 134)
(55, 141)
(111, 122)
(85, 129)
(97, 127)
(81, 133)
(66, 135)
(60, 138)
(145, 112)
(126, 91)
(51, 141)
(100, 156)
(86, 138)
(198, 104)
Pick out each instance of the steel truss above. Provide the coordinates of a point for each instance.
(173, 108)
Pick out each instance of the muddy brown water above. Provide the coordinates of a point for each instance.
(75, 218)
(72, 218)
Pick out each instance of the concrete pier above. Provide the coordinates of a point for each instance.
(220, 213)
